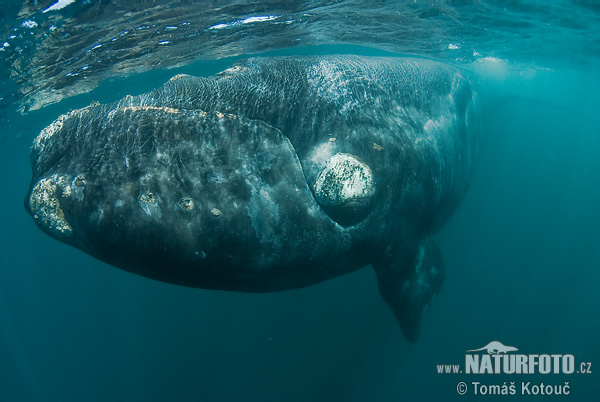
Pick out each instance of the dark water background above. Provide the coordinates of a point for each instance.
(522, 251)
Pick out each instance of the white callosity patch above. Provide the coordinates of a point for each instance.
(45, 205)
(344, 178)
(232, 70)
(77, 187)
(129, 106)
(48, 132)
(179, 76)
(151, 108)
(186, 204)
(149, 202)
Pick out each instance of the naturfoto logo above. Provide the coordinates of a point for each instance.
(497, 358)
(497, 361)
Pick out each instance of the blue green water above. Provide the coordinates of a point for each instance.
(522, 255)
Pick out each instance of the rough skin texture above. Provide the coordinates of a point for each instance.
(210, 182)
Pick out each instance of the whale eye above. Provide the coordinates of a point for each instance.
(344, 188)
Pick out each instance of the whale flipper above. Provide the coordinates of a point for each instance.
(409, 285)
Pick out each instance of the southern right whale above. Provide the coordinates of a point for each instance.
(275, 174)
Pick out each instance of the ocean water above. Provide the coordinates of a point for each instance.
(522, 251)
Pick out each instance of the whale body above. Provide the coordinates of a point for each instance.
(277, 173)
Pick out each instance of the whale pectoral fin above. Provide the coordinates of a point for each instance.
(408, 286)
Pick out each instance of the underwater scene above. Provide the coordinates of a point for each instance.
(299, 200)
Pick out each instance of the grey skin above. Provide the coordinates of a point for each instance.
(276, 174)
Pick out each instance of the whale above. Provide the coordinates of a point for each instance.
(277, 173)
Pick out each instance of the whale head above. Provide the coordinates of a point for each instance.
(181, 195)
